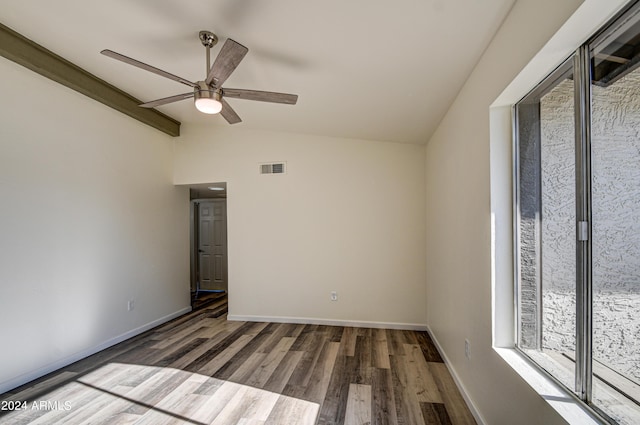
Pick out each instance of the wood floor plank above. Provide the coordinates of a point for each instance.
(296, 331)
(201, 369)
(215, 403)
(288, 410)
(211, 367)
(138, 400)
(129, 346)
(358, 405)
(206, 344)
(30, 392)
(135, 375)
(261, 405)
(175, 412)
(221, 342)
(457, 409)
(409, 336)
(407, 405)
(349, 335)
(279, 378)
(281, 331)
(435, 413)
(68, 392)
(245, 421)
(311, 348)
(111, 374)
(271, 361)
(87, 403)
(209, 387)
(419, 376)
(334, 333)
(429, 349)
(396, 341)
(150, 392)
(179, 352)
(187, 334)
(240, 406)
(142, 354)
(384, 402)
(243, 354)
(335, 402)
(178, 324)
(212, 330)
(124, 419)
(316, 389)
(178, 402)
(247, 368)
(380, 353)
(301, 340)
(363, 356)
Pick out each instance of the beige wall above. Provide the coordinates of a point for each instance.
(89, 219)
(459, 302)
(347, 216)
(463, 165)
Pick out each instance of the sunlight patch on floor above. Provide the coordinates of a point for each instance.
(138, 394)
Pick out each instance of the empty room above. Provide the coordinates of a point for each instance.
(320, 212)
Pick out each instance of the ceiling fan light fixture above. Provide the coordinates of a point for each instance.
(207, 101)
(208, 106)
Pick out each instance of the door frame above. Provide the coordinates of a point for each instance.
(194, 243)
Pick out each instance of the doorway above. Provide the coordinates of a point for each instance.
(209, 270)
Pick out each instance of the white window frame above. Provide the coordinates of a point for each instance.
(587, 20)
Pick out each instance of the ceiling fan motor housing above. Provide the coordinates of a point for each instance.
(204, 91)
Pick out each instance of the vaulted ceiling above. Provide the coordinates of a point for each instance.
(367, 69)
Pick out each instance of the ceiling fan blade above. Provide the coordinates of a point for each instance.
(166, 100)
(228, 59)
(146, 67)
(229, 114)
(262, 96)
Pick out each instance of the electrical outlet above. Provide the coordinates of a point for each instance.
(467, 349)
(334, 296)
(130, 305)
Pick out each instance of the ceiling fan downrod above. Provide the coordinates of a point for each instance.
(208, 40)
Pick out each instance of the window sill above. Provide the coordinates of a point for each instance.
(567, 407)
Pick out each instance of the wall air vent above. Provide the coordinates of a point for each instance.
(273, 168)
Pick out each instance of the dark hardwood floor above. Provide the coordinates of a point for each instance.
(202, 369)
(200, 300)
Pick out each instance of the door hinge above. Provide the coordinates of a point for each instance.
(583, 231)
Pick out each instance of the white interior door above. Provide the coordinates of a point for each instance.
(212, 244)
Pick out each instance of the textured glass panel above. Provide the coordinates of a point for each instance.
(615, 189)
(547, 251)
(529, 225)
(558, 223)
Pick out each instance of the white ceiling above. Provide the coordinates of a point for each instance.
(368, 69)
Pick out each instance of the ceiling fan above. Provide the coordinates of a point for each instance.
(209, 94)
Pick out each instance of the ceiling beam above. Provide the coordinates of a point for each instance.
(25, 52)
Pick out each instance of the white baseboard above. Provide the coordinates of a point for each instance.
(329, 322)
(51, 367)
(456, 379)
